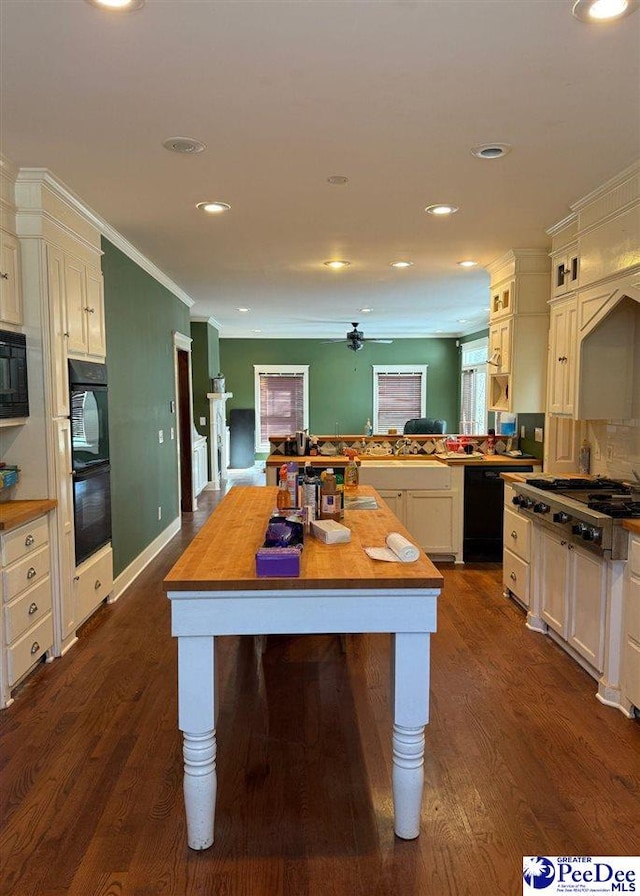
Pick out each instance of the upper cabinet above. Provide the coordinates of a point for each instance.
(594, 347)
(518, 331)
(83, 296)
(10, 279)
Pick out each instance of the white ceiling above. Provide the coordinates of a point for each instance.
(392, 94)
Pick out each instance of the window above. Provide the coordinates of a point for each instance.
(281, 401)
(399, 394)
(473, 389)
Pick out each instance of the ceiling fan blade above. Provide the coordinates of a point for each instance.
(386, 341)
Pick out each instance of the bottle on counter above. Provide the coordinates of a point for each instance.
(351, 476)
(368, 428)
(292, 483)
(330, 500)
(310, 489)
(584, 458)
(283, 499)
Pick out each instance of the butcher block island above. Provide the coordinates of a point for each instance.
(214, 591)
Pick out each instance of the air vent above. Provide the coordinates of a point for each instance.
(491, 150)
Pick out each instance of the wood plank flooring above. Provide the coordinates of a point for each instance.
(521, 760)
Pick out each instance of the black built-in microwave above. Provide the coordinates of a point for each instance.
(14, 392)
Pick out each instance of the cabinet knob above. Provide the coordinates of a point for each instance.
(90, 310)
(29, 540)
(97, 585)
(31, 573)
(513, 576)
(35, 647)
(33, 608)
(514, 535)
(4, 275)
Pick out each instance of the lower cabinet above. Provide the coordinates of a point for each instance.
(571, 586)
(516, 568)
(93, 582)
(200, 468)
(26, 624)
(431, 516)
(631, 638)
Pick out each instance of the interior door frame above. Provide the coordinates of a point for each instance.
(184, 421)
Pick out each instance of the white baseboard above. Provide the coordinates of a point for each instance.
(131, 573)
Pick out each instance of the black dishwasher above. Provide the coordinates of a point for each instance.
(484, 511)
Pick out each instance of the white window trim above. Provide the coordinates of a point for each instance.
(474, 345)
(401, 369)
(258, 369)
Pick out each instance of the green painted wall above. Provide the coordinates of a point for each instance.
(141, 316)
(341, 381)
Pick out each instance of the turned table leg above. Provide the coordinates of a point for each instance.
(197, 707)
(410, 683)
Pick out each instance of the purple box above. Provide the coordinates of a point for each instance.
(278, 562)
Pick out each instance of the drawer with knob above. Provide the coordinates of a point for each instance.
(93, 582)
(25, 573)
(26, 610)
(28, 649)
(517, 534)
(515, 576)
(24, 540)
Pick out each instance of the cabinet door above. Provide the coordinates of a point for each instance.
(587, 606)
(97, 344)
(76, 303)
(65, 610)
(552, 571)
(562, 358)
(432, 520)
(500, 345)
(394, 499)
(59, 332)
(10, 288)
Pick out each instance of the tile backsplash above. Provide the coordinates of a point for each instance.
(615, 447)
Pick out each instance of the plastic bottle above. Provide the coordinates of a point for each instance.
(329, 497)
(368, 428)
(310, 488)
(351, 476)
(292, 483)
(584, 458)
(283, 499)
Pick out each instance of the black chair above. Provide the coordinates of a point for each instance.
(424, 425)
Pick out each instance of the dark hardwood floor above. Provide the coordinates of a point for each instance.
(521, 760)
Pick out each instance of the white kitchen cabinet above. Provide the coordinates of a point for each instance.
(431, 516)
(200, 469)
(563, 349)
(27, 625)
(83, 291)
(10, 280)
(631, 638)
(565, 270)
(516, 576)
(572, 593)
(59, 332)
(93, 582)
(518, 331)
(65, 618)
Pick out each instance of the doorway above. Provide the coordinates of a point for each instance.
(184, 421)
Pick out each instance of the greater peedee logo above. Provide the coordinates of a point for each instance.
(580, 874)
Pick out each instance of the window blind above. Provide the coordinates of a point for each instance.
(399, 399)
(281, 404)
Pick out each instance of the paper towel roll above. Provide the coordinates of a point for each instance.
(402, 548)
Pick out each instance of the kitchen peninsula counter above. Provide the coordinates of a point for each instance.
(16, 513)
(214, 590)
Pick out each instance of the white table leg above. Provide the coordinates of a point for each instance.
(410, 684)
(197, 706)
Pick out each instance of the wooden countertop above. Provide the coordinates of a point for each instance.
(632, 526)
(222, 555)
(15, 513)
(327, 460)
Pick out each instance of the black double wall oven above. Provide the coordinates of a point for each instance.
(90, 457)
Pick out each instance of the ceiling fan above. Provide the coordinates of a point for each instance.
(356, 339)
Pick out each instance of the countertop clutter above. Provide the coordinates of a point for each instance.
(15, 513)
(338, 460)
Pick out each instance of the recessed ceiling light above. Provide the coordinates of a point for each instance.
(491, 150)
(401, 264)
(338, 180)
(462, 320)
(337, 264)
(441, 210)
(243, 310)
(603, 10)
(213, 208)
(185, 145)
(467, 264)
(117, 5)
(256, 331)
(366, 310)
